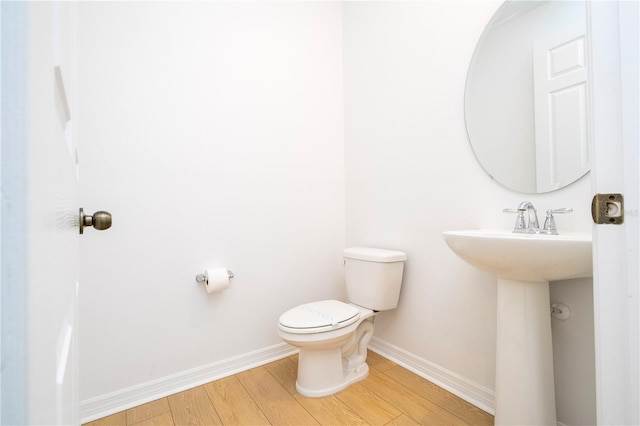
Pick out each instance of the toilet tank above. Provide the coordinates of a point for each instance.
(373, 276)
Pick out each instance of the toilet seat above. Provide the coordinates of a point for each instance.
(318, 317)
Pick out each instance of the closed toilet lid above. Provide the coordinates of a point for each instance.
(317, 317)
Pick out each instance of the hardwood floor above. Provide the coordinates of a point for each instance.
(266, 395)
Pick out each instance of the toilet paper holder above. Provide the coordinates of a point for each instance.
(202, 278)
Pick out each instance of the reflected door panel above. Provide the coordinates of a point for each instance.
(560, 97)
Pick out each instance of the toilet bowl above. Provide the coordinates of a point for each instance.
(332, 336)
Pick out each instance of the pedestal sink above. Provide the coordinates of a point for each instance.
(524, 265)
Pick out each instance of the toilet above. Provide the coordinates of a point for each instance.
(332, 336)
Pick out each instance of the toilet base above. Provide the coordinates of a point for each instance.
(350, 378)
(327, 371)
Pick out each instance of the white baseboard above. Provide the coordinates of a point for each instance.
(478, 395)
(104, 405)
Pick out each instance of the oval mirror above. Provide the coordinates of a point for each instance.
(526, 95)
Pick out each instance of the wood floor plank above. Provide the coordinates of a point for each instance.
(330, 410)
(368, 405)
(379, 362)
(278, 405)
(233, 404)
(409, 402)
(402, 420)
(285, 371)
(164, 419)
(147, 411)
(467, 412)
(118, 419)
(193, 407)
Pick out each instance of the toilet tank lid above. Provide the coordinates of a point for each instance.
(374, 254)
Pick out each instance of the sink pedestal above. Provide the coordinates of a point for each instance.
(525, 392)
(524, 265)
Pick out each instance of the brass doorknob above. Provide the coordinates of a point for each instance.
(100, 220)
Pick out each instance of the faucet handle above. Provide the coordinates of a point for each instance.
(550, 222)
(560, 211)
(520, 226)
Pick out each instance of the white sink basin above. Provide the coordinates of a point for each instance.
(524, 264)
(524, 257)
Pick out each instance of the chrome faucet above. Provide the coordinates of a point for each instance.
(531, 226)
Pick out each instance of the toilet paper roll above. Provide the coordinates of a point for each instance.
(217, 280)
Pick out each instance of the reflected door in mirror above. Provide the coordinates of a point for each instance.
(560, 97)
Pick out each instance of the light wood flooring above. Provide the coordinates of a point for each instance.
(266, 395)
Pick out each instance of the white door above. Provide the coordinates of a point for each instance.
(616, 161)
(40, 238)
(560, 105)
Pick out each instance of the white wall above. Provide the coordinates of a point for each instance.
(411, 174)
(213, 132)
(574, 353)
